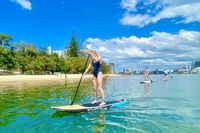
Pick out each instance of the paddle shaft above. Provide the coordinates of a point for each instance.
(80, 81)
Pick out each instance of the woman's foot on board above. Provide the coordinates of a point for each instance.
(102, 103)
(95, 102)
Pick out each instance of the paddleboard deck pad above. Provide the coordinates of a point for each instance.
(143, 82)
(89, 106)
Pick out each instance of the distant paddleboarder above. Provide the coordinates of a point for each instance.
(97, 76)
(166, 75)
(146, 74)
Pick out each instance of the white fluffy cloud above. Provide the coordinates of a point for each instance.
(144, 12)
(139, 20)
(129, 5)
(159, 50)
(26, 4)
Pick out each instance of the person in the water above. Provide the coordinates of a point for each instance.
(97, 76)
(146, 74)
(166, 75)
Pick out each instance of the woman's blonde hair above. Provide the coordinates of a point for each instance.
(95, 54)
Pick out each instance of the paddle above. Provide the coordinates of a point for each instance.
(80, 80)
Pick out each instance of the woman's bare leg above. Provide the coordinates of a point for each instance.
(95, 89)
(145, 77)
(99, 84)
(148, 77)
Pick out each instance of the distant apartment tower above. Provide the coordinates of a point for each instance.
(49, 50)
(112, 68)
(195, 64)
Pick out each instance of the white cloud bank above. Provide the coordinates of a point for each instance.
(26, 4)
(140, 13)
(159, 50)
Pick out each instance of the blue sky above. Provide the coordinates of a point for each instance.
(130, 33)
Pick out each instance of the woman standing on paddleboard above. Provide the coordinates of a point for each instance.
(97, 76)
(146, 74)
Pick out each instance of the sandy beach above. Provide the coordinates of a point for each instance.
(69, 77)
(13, 78)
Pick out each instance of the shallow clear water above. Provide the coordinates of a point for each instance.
(161, 107)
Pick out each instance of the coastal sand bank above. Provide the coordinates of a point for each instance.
(27, 81)
(69, 77)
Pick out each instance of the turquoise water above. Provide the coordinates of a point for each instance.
(161, 107)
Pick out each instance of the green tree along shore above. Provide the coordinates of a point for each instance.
(26, 58)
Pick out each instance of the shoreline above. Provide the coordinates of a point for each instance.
(59, 77)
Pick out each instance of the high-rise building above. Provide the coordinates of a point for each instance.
(49, 50)
(195, 64)
(112, 67)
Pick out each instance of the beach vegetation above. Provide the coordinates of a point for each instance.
(27, 59)
(5, 39)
